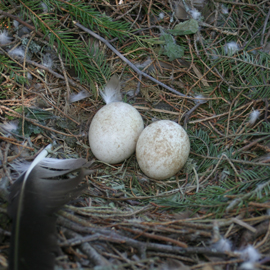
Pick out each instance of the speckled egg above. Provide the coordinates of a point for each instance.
(162, 149)
(114, 132)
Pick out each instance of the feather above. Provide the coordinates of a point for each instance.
(33, 200)
(224, 9)
(4, 38)
(200, 99)
(250, 254)
(147, 63)
(143, 65)
(248, 266)
(253, 117)
(17, 53)
(8, 127)
(20, 166)
(222, 245)
(16, 23)
(47, 61)
(76, 97)
(195, 14)
(161, 15)
(112, 93)
(231, 48)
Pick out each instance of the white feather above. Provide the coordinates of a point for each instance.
(195, 14)
(161, 15)
(16, 23)
(144, 64)
(253, 117)
(7, 127)
(200, 99)
(111, 92)
(47, 61)
(247, 266)
(222, 245)
(231, 48)
(76, 97)
(224, 9)
(250, 254)
(18, 52)
(24, 31)
(4, 38)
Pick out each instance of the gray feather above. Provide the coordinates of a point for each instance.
(112, 93)
(33, 200)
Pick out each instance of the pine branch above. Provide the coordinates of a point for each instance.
(15, 71)
(88, 16)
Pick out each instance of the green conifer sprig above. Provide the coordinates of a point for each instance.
(90, 64)
(68, 45)
(89, 17)
(15, 71)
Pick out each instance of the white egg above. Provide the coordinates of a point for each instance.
(162, 149)
(114, 132)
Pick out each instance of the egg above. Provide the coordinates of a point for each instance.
(114, 132)
(162, 149)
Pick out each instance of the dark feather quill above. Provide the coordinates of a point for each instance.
(33, 200)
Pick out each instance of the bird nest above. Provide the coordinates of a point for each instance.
(202, 64)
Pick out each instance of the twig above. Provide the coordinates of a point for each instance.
(242, 4)
(218, 29)
(187, 115)
(264, 28)
(91, 253)
(157, 237)
(235, 160)
(114, 237)
(67, 96)
(14, 142)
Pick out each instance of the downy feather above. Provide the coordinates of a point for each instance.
(33, 200)
(111, 92)
(17, 53)
(195, 14)
(47, 61)
(200, 99)
(76, 97)
(4, 38)
(250, 254)
(253, 117)
(222, 245)
(8, 127)
(231, 48)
